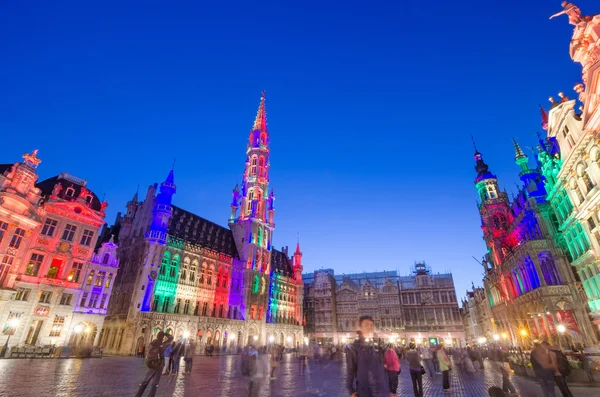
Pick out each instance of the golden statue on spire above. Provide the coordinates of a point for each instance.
(31, 159)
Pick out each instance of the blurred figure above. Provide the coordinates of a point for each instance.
(274, 353)
(561, 367)
(392, 365)
(189, 357)
(416, 370)
(177, 353)
(249, 365)
(543, 369)
(427, 355)
(445, 367)
(366, 376)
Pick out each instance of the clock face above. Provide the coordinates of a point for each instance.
(153, 275)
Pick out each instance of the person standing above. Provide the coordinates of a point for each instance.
(392, 365)
(366, 376)
(168, 359)
(155, 363)
(189, 357)
(416, 370)
(562, 368)
(177, 353)
(445, 367)
(427, 356)
(543, 369)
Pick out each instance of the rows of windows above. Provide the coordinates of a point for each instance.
(49, 229)
(164, 304)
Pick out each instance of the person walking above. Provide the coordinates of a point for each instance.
(561, 367)
(416, 369)
(366, 376)
(392, 365)
(543, 369)
(168, 359)
(189, 357)
(249, 364)
(155, 363)
(427, 356)
(445, 367)
(274, 355)
(177, 353)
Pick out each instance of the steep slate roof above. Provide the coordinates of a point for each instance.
(281, 263)
(197, 230)
(5, 167)
(47, 185)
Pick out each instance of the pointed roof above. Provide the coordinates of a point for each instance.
(170, 178)
(260, 122)
(135, 196)
(544, 115)
(518, 151)
(298, 248)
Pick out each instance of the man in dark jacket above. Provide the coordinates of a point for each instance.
(366, 374)
(154, 374)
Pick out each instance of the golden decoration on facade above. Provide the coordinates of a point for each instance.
(32, 159)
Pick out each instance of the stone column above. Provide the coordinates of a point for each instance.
(536, 262)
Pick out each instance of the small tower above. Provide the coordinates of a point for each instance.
(532, 179)
(156, 238)
(495, 212)
(299, 284)
(127, 220)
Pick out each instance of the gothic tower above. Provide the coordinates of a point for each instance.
(299, 283)
(494, 209)
(253, 226)
(156, 238)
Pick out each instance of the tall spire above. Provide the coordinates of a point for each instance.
(518, 151)
(260, 122)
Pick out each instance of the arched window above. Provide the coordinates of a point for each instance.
(165, 263)
(256, 284)
(70, 192)
(193, 271)
(260, 236)
(263, 139)
(174, 266)
(106, 258)
(219, 275)
(202, 273)
(261, 166)
(184, 269)
(210, 275)
(224, 279)
(253, 163)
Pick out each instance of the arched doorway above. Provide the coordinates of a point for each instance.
(217, 341)
(209, 339)
(225, 335)
(140, 345)
(199, 338)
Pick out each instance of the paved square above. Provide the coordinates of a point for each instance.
(220, 377)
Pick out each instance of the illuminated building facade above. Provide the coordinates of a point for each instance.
(528, 280)
(418, 308)
(477, 317)
(543, 246)
(570, 159)
(191, 277)
(53, 289)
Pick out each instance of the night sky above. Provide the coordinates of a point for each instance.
(371, 107)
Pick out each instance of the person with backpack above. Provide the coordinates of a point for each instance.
(562, 368)
(154, 361)
(249, 360)
(543, 369)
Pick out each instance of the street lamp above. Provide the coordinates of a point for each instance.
(78, 328)
(482, 340)
(12, 326)
(496, 337)
(271, 338)
(186, 334)
(504, 335)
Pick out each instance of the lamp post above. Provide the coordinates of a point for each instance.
(12, 326)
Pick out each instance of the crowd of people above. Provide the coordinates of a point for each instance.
(373, 368)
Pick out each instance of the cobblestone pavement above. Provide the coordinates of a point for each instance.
(220, 377)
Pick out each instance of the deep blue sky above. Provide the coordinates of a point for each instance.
(371, 107)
